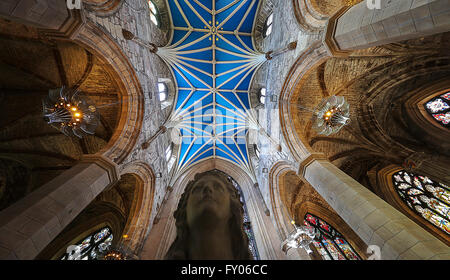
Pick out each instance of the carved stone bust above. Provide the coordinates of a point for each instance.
(209, 221)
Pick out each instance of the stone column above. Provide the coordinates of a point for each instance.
(360, 27)
(29, 225)
(375, 221)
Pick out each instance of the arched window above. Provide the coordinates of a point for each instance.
(162, 92)
(91, 247)
(257, 153)
(169, 158)
(168, 152)
(429, 199)
(247, 224)
(262, 95)
(154, 13)
(439, 109)
(330, 244)
(268, 26)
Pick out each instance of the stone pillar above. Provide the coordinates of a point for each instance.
(360, 27)
(375, 221)
(30, 224)
(259, 194)
(48, 14)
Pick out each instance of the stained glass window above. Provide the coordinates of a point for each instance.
(89, 248)
(154, 15)
(247, 224)
(428, 198)
(439, 109)
(329, 243)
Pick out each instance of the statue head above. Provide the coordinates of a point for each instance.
(208, 200)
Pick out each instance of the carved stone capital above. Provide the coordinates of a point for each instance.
(69, 30)
(330, 31)
(105, 163)
(307, 161)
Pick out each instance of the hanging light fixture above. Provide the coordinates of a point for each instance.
(119, 252)
(300, 237)
(68, 111)
(331, 115)
(114, 255)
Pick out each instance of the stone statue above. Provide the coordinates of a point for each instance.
(209, 221)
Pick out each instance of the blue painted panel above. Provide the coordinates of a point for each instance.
(203, 42)
(207, 154)
(244, 97)
(247, 26)
(232, 43)
(178, 35)
(177, 18)
(182, 95)
(204, 55)
(220, 4)
(233, 79)
(223, 56)
(239, 10)
(220, 68)
(192, 17)
(203, 13)
(231, 97)
(228, 156)
(229, 113)
(190, 73)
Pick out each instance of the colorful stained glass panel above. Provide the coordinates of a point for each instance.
(432, 201)
(332, 249)
(437, 105)
(439, 109)
(330, 244)
(346, 248)
(90, 247)
(444, 118)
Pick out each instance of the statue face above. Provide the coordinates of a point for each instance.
(208, 199)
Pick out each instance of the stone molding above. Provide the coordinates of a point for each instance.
(307, 18)
(107, 164)
(330, 31)
(307, 161)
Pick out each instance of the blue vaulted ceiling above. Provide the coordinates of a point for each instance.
(213, 60)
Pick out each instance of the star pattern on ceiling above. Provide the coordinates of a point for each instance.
(212, 57)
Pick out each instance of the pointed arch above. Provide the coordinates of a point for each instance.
(142, 209)
(164, 232)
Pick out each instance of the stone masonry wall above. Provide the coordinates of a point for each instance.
(134, 16)
(272, 75)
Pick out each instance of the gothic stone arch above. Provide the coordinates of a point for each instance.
(163, 234)
(142, 209)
